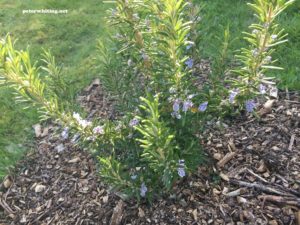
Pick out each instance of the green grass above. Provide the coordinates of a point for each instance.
(217, 14)
(72, 39)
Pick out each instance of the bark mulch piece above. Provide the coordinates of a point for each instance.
(252, 177)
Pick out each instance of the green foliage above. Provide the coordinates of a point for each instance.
(155, 37)
(71, 38)
(117, 77)
(256, 60)
(219, 13)
(154, 44)
(56, 83)
(157, 142)
(18, 73)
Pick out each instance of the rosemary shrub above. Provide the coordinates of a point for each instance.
(150, 73)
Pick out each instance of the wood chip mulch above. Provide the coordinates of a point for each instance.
(252, 177)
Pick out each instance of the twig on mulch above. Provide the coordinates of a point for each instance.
(45, 213)
(289, 101)
(281, 200)
(262, 187)
(236, 192)
(291, 142)
(5, 206)
(257, 176)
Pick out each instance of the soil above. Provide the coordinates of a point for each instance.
(252, 176)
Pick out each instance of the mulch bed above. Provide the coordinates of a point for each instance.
(252, 176)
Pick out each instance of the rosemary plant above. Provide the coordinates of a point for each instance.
(251, 77)
(149, 71)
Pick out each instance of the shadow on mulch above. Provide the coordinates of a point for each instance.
(254, 177)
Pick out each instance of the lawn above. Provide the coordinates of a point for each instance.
(72, 39)
(235, 13)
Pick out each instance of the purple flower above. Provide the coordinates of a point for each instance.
(268, 59)
(65, 133)
(172, 90)
(133, 177)
(85, 123)
(203, 106)
(255, 52)
(145, 56)
(180, 169)
(76, 116)
(274, 37)
(188, 47)
(176, 105)
(176, 115)
(262, 89)
(181, 172)
(143, 190)
(250, 105)
(134, 122)
(191, 96)
(189, 63)
(98, 130)
(186, 105)
(232, 95)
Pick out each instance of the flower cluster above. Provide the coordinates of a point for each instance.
(134, 122)
(250, 104)
(189, 63)
(83, 123)
(98, 130)
(185, 106)
(176, 109)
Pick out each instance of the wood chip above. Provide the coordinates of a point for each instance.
(237, 192)
(141, 213)
(37, 130)
(7, 182)
(39, 188)
(291, 142)
(267, 108)
(298, 217)
(74, 160)
(117, 214)
(226, 159)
